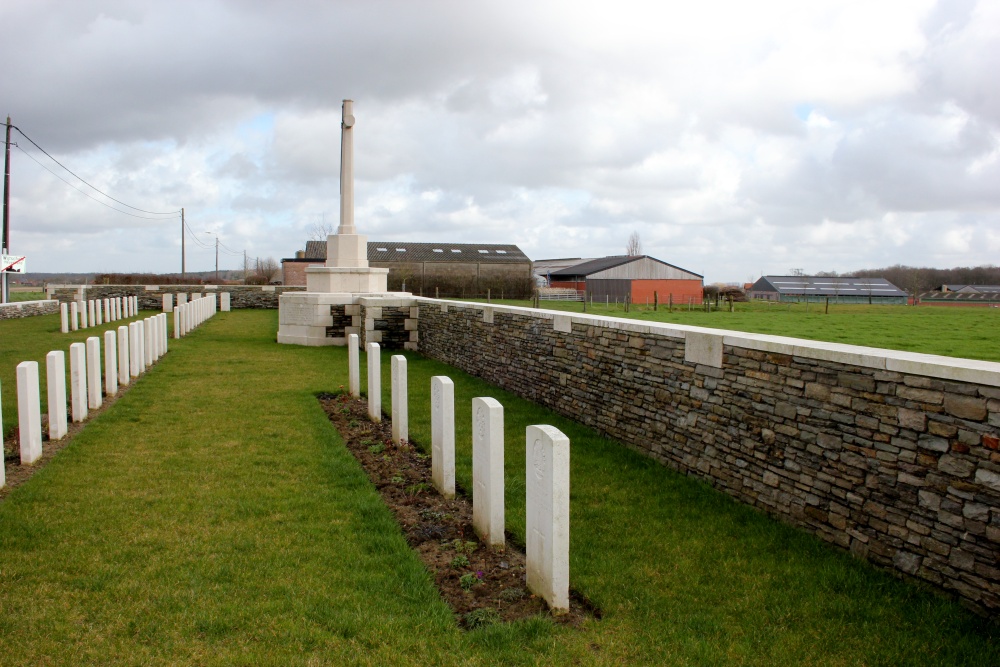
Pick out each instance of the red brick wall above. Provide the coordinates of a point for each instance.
(682, 290)
(294, 273)
(579, 286)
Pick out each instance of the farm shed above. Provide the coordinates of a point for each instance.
(821, 288)
(638, 277)
(456, 269)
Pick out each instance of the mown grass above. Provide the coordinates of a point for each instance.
(969, 333)
(21, 295)
(213, 516)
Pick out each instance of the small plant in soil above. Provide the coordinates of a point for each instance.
(396, 479)
(469, 580)
(464, 547)
(460, 561)
(377, 448)
(512, 594)
(353, 423)
(417, 489)
(480, 618)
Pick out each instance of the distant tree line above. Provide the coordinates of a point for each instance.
(923, 279)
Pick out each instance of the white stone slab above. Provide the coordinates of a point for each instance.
(133, 349)
(123, 356)
(55, 380)
(110, 363)
(148, 342)
(108, 315)
(140, 328)
(177, 322)
(400, 402)
(168, 302)
(487, 470)
(74, 316)
(64, 317)
(92, 313)
(182, 298)
(703, 348)
(98, 314)
(78, 381)
(29, 412)
(547, 514)
(225, 298)
(374, 381)
(94, 399)
(83, 315)
(443, 435)
(353, 366)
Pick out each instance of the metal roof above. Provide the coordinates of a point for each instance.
(824, 286)
(399, 251)
(604, 263)
(976, 289)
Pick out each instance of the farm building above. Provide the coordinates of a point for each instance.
(641, 278)
(452, 269)
(821, 288)
(971, 289)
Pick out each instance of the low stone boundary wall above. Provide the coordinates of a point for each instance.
(17, 309)
(151, 296)
(892, 455)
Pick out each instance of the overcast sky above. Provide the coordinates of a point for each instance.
(737, 138)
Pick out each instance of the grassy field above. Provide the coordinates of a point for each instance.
(954, 332)
(213, 516)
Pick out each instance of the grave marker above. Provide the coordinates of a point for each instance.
(133, 349)
(374, 381)
(29, 412)
(224, 297)
(168, 302)
(400, 407)
(110, 363)
(91, 314)
(64, 317)
(55, 380)
(487, 470)
(123, 355)
(547, 514)
(83, 315)
(97, 312)
(443, 435)
(353, 366)
(78, 380)
(74, 316)
(93, 372)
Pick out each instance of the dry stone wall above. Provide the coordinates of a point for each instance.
(18, 309)
(891, 455)
(151, 296)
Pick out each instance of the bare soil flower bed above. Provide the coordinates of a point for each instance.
(483, 585)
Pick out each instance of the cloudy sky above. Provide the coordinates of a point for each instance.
(737, 138)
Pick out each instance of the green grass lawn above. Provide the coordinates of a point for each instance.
(20, 295)
(213, 516)
(954, 332)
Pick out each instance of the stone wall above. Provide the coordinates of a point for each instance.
(151, 296)
(891, 455)
(10, 311)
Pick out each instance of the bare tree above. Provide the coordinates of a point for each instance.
(267, 269)
(320, 230)
(634, 246)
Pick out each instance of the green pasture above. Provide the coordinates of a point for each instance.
(213, 516)
(967, 332)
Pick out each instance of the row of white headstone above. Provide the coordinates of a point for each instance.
(547, 468)
(190, 314)
(127, 353)
(182, 299)
(93, 313)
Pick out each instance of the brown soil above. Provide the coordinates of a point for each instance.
(440, 530)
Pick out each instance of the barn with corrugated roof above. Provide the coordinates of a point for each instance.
(841, 289)
(640, 278)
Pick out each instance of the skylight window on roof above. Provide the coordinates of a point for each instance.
(400, 249)
(455, 250)
(501, 252)
(438, 250)
(485, 252)
(382, 249)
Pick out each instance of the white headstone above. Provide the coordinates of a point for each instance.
(224, 297)
(374, 381)
(133, 349)
(140, 338)
(94, 373)
(443, 435)
(78, 380)
(83, 315)
(74, 316)
(168, 302)
(98, 315)
(118, 308)
(29, 412)
(177, 321)
(64, 317)
(400, 407)
(91, 313)
(55, 380)
(123, 356)
(182, 298)
(148, 342)
(110, 363)
(353, 366)
(108, 315)
(487, 470)
(547, 514)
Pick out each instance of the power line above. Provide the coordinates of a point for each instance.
(84, 193)
(96, 189)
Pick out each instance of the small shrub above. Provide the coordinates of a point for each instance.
(396, 479)
(467, 581)
(464, 547)
(377, 448)
(460, 561)
(512, 594)
(417, 489)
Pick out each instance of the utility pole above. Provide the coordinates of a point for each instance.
(5, 245)
(244, 266)
(183, 265)
(216, 258)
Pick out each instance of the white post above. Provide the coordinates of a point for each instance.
(64, 317)
(164, 336)
(98, 314)
(78, 380)
(547, 514)
(91, 313)
(148, 342)
(118, 308)
(443, 435)
(168, 302)
(55, 379)
(110, 363)
(83, 315)
(109, 317)
(140, 335)
(182, 298)
(487, 470)
(29, 412)
(353, 366)
(374, 382)
(177, 321)
(74, 316)
(400, 407)
(133, 349)
(123, 355)
(225, 302)
(94, 372)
